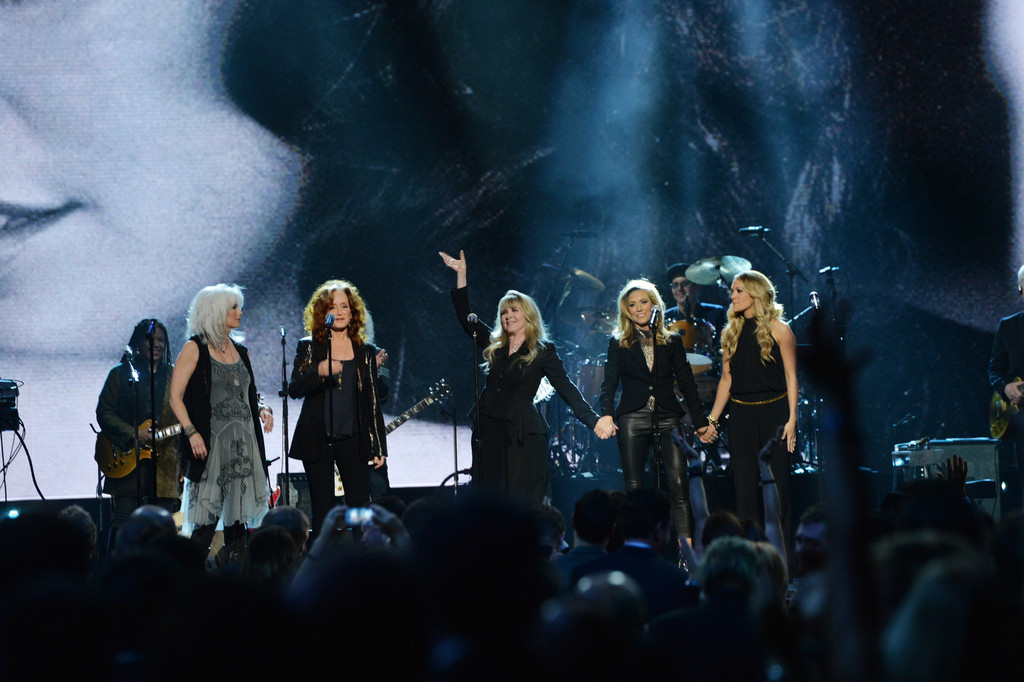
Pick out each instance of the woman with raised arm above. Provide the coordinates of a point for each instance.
(213, 395)
(759, 386)
(649, 362)
(339, 374)
(510, 448)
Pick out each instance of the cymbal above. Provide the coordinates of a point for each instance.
(580, 278)
(704, 271)
(732, 266)
(709, 270)
(590, 319)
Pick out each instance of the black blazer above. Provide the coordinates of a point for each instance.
(1007, 360)
(510, 386)
(628, 367)
(310, 440)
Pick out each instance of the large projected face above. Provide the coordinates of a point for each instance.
(128, 178)
(1006, 30)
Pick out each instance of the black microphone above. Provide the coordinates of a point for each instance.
(151, 329)
(581, 234)
(329, 320)
(828, 268)
(815, 300)
(754, 229)
(473, 318)
(283, 334)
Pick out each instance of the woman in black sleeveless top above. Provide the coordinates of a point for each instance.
(759, 386)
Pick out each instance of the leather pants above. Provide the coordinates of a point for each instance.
(636, 438)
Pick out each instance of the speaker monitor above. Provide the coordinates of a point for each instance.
(927, 458)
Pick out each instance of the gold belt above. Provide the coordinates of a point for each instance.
(758, 402)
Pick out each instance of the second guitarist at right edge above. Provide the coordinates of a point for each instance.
(1005, 368)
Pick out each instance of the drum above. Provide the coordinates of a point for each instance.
(707, 388)
(697, 334)
(589, 379)
(698, 363)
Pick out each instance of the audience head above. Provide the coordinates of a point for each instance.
(721, 524)
(293, 520)
(82, 520)
(270, 558)
(550, 528)
(730, 562)
(646, 515)
(593, 517)
(811, 541)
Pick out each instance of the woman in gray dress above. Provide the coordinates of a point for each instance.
(213, 395)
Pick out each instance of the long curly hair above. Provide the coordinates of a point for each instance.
(762, 291)
(536, 331)
(625, 331)
(360, 328)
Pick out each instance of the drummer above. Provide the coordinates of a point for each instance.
(688, 304)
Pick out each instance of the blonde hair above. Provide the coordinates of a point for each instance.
(536, 332)
(208, 312)
(762, 291)
(625, 331)
(360, 328)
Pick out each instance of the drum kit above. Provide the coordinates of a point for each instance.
(575, 448)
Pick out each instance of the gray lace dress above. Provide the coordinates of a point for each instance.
(233, 487)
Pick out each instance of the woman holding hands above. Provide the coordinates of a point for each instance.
(510, 447)
(649, 362)
(759, 386)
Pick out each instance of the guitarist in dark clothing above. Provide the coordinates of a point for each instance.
(123, 412)
(1005, 369)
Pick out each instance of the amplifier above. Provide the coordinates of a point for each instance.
(925, 458)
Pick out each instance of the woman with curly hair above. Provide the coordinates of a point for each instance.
(759, 386)
(649, 362)
(510, 446)
(339, 374)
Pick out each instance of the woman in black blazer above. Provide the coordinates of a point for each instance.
(649, 362)
(343, 392)
(510, 449)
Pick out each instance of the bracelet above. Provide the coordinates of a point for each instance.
(714, 422)
(190, 430)
(267, 408)
(770, 481)
(695, 471)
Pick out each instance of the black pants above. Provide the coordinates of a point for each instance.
(750, 427)
(504, 466)
(354, 476)
(636, 437)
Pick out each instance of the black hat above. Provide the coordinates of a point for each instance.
(677, 270)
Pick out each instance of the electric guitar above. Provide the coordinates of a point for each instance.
(999, 412)
(438, 392)
(117, 463)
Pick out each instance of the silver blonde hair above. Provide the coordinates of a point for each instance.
(208, 312)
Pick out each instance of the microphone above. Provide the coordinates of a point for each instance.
(581, 234)
(473, 318)
(815, 300)
(329, 320)
(283, 334)
(129, 351)
(151, 329)
(754, 229)
(828, 268)
(654, 315)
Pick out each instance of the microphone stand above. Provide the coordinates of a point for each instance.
(330, 394)
(655, 425)
(454, 414)
(476, 412)
(791, 270)
(283, 393)
(151, 489)
(133, 379)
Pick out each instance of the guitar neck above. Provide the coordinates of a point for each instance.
(409, 414)
(172, 430)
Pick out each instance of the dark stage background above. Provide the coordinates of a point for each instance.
(277, 144)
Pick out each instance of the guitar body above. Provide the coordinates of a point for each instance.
(117, 463)
(999, 412)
